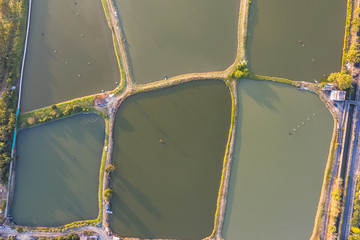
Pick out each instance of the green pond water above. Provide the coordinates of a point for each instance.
(277, 26)
(70, 53)
(170, 189)
(276, 178)
(175, 37)
(57, 171)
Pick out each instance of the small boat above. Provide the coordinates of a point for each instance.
(161, 140)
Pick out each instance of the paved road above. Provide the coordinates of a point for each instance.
(352, 174)
(4, 232)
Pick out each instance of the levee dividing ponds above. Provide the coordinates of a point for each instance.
(70, 53)
(57, 171)
(169, 149)
(281, 147)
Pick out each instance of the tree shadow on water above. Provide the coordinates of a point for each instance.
(260, 92)
(128, 218)
(141, 198)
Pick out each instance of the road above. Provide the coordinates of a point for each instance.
(341, 122)
(5, 232)
(352, 177)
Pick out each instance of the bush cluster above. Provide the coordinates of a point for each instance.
(12, 38)
(355, 220)
(241, 71)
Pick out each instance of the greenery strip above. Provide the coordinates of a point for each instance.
(253, 76)
(225, 162)
(347, 31)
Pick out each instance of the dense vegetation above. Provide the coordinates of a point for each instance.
(335, 208)
(353, 55)
(46, 114)
(355, 220)
(341, 80)
(108, 194)
(12, 37)
(241, 71)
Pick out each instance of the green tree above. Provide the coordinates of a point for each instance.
(353, 55)
(73, 236)
(241, 71)
(110, 168)
(341, 79)
(354, 237)
(108, 194)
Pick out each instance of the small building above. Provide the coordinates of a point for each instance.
(329, 87)
(100, 102)
(91, 237)
(337, 95)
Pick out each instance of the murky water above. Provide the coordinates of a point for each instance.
(70, 53)
(57, 171)
(175, 37)
(169, 188)
(277, 26)
(276, 178)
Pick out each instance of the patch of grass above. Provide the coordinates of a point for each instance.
(325, 186)
(225, 161)
(349, 12)
(253, 76)
(64, 109)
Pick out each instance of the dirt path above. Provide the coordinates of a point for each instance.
(27, 235)
(118, 30)
(224, 189)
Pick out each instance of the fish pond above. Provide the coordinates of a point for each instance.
(176, 37)
(169, 148)
(282, 143)
(70, 53)
(299, 40)
(57, 171)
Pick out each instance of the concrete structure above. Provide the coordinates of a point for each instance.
(329, 87)
(336, 95)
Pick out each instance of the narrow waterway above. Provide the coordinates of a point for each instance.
(57, 171)
(169, 147)
(70, 53)
(300, 40)
(176, 37)
(276, 177)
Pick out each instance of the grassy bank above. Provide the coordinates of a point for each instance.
(355, 220)
(349, 13)
(227, 157)
(116, 49)
(57, 111)
(320, 213)
(100, 196)
(258, 77)
(121, 67)
(12, 39)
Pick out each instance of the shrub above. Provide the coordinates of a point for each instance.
(341, 79)
(241, 71)
(353, 55)
(110, 168)
(108, 194)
